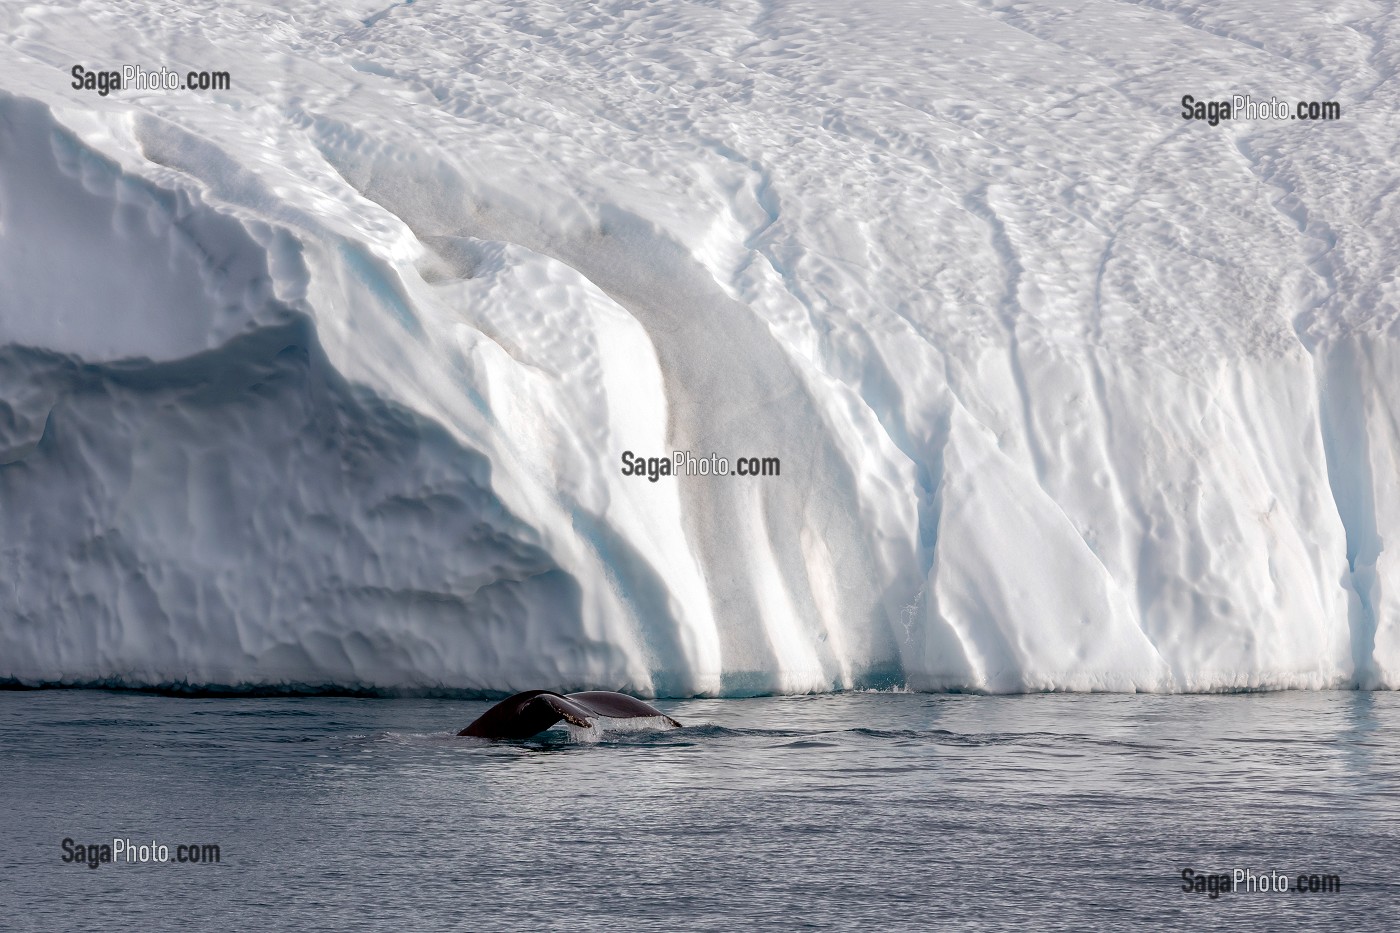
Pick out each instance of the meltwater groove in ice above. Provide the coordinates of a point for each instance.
(325, 378)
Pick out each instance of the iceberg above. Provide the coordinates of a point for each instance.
(325, 379)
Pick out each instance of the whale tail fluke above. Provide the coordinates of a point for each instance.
(525, 714)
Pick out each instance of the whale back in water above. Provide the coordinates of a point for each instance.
(523, 715)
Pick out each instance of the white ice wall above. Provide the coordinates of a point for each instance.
(325, 379)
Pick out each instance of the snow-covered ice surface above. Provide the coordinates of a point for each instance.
(325, 379)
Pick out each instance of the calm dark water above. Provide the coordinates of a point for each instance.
(858, 811)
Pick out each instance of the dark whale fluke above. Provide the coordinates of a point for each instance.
(525, 714)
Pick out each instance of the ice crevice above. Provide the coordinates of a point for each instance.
(1339, 361)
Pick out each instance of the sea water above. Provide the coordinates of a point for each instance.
(882, 811)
